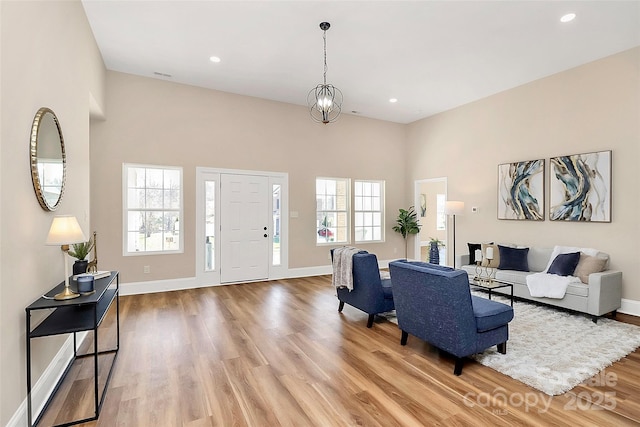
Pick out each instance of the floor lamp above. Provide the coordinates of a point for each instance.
(454, 208)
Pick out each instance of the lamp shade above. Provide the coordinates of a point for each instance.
(65, 230)
(453, 208)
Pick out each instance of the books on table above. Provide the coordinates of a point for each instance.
(97, 275)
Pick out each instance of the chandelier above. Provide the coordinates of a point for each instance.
(324, 100)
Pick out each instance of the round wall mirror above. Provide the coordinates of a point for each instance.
(48, 160)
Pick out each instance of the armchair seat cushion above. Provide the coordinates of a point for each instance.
(386, 289)
(490, 314)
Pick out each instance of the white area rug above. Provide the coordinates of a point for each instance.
(553, 351)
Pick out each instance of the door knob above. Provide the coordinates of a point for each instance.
(265, 235)
(265, 229)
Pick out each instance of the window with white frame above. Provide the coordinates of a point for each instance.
(332, 210)
(152, 201)
(368, 210)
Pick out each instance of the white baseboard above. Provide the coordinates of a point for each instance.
(42, 389)
(630, 306)
(135, 288)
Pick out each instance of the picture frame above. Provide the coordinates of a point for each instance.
(521, 190)
(580, 187)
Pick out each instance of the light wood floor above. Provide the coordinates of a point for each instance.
(279, 354)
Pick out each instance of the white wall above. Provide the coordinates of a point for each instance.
(48, 58)
(156, 122)
(590, 108)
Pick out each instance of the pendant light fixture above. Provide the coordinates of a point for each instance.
(325, 100)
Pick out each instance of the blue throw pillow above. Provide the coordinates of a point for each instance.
(513, 258)
(564, 264)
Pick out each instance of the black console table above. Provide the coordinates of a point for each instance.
(84, 313)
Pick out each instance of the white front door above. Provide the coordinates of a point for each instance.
(244, 228)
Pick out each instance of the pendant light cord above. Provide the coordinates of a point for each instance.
(324, 38)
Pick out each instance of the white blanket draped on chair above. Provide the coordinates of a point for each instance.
(343, 267)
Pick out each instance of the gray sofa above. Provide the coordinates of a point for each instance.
(601, 295)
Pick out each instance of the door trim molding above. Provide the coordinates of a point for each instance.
(203, 278)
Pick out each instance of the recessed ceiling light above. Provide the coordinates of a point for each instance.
(214, 59)
(393, 100)
(568, 17)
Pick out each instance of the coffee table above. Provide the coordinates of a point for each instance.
(490, 286)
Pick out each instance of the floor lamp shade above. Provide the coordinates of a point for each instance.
(65, 231)
(454, 208)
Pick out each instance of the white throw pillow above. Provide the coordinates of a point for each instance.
(538, 258)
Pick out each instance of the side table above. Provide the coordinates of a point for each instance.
(84, 313)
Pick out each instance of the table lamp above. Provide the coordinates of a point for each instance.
(64, 231)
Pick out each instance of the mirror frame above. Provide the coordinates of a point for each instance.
(33, 154)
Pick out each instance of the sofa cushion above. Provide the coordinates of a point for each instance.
(512, 276)
(513, 258)
(490, 314)
(564, 264)
(578, 289)
(587, 265)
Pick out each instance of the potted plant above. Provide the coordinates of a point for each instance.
(80, 251)
(407, 223)
(434, 250)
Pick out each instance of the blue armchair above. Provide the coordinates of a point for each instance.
(370, 293)
(434, 303)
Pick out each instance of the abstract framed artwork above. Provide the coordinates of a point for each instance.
(580, 188)
(423, 205)
(521, 190)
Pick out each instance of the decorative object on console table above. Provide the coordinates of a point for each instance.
(580, 188)
(96, 275)
(80, 252)
(92, 267)
(64, 231)
(521, 190)
(85, 284)
(454, 208)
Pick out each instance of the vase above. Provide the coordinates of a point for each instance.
(80, 266)
(434, 253)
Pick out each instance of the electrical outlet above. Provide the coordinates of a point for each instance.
(147, 269)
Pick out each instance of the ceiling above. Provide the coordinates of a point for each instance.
(430, 55)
